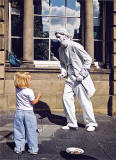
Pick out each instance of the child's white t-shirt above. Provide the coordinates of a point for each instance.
(24, 96)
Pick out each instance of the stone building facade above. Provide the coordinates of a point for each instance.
(44, 73)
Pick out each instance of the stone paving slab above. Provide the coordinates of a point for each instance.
(53, 141)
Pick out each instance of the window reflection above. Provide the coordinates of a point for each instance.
(98, 51)
(41, 26)
(54, 54)
(97, 8)
(50, 15)
(73, 8)
(17, 47)
(17, 6)
(57, 7)
(98, 28)
(41, 49)
(41, 7)
(73, 27)
(55, 24)
(17, 25)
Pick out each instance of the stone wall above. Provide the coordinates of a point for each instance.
(51, 87)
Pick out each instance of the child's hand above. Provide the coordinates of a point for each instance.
(39, 95)
(36, 100)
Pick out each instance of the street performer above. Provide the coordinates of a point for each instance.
(75, 65)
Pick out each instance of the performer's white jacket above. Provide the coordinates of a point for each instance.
(75, 62)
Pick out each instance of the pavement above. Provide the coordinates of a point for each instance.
(53, 141)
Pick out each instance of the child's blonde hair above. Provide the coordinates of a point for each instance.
(21, 79)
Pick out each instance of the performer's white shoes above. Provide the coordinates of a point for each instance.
(90, 128)
(65, 127)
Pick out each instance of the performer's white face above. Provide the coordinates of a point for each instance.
(63, 39)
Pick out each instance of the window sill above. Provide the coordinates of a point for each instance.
(47, 64)
(48, 67)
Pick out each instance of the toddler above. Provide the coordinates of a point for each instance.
(25, 123)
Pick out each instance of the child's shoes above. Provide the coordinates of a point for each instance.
(35, 153)
(18, 152)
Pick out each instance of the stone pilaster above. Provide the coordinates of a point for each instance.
(89, 39)
(28, 32)
(2, 46)
(1, 2)
(114, 63)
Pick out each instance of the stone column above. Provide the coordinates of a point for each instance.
(28, 31)
(2, 49)
(89, 38)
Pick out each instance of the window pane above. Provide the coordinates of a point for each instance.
(17, 25)
(55, 24)
(17, 47)
(41, 7)
(97, 8)
(98, 51)
(98, 28)
(57, 7)
(41, 25)
(73, 27)
(54, 54)
(73, 8)
(17, 5)
(41, 50)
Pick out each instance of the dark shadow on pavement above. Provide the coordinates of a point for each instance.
(68, 156)
(5, 135)
(11, 145)
(43, 110)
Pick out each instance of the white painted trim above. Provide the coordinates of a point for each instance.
(9, 44)
(49, 64)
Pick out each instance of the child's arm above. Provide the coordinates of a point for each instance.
(36, 99)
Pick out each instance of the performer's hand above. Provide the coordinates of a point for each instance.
(84, 72)
(79, 78)
(61, 75)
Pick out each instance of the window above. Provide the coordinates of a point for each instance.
(98, 30)
(49, 15)
(16, 27)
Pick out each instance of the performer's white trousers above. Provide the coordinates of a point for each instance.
(70, 90)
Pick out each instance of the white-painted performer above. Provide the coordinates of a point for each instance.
(75, 65)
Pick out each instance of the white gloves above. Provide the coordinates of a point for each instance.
(79, 78)
(61, 75)
(84, 72)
